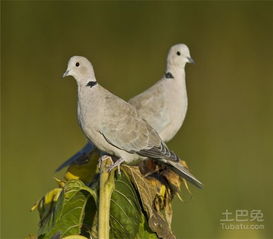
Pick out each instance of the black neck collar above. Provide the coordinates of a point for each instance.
(169, 75)
(91, 83)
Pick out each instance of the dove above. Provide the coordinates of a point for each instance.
(163, 105)
(114, 126)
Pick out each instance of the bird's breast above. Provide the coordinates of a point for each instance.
(174, 111)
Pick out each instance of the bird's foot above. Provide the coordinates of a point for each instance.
(116, 164)
(103, 158)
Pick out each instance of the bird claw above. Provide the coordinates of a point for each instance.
(103, 158)
(116, 164)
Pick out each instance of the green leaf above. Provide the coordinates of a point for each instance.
(144, 230)
(126, 217)
(72, 210)
(89, 225)
(125, 212)
(65, 217)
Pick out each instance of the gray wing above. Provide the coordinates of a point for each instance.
(123, 128)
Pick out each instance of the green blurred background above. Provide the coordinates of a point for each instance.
(227, 137)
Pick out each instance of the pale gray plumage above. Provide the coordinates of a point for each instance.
(112, 124)
(163, 105)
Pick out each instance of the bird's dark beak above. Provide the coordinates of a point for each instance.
(66, 74)
(190, 60)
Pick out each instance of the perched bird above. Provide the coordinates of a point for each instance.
(163, 105)
(115, 126)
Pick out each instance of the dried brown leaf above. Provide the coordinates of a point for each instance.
(154, 197)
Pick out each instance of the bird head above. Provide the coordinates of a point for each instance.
(80, 68)
(179, 55)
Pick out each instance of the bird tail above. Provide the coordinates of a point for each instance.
(79, 157)
(184, 173)
(169, 155)
(157, 152)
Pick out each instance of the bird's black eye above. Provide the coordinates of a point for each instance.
(178, 53)
(77, 64)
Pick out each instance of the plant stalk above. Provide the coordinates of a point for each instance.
(107, 186)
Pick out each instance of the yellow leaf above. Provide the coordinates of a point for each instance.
(50, 197)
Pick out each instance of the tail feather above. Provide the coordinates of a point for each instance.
(158, 152)
(77, 157)
(167, 154)
(184, 173)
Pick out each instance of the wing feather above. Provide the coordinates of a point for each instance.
(125, 129)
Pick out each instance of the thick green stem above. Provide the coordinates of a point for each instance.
(107, 186)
